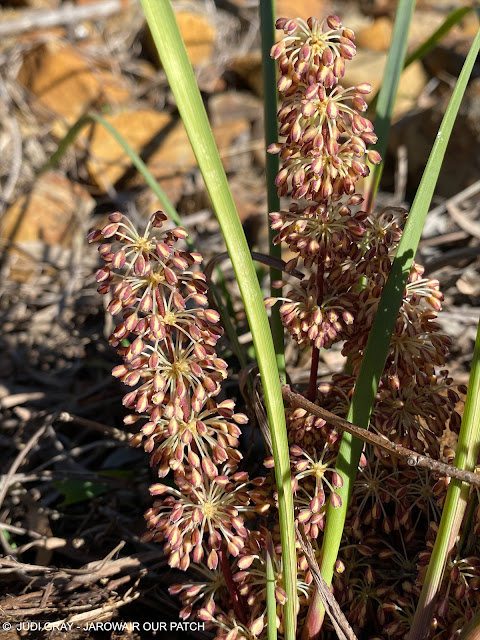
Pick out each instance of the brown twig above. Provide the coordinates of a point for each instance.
(16, 147)
(66, 14)
(270, 261)
(342, 627)
(123, 436)
(412, 458)
(19, 459)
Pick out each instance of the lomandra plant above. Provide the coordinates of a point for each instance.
(366, 516)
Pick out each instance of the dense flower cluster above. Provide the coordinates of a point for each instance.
(347, 255)
(347, 252)
(166, 336)
(210, 516)
(174, 370)
(325, 137)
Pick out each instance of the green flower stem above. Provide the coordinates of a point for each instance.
(165, 32)
(271, 600)
(267, 28)
(455, 503)
(379, 339)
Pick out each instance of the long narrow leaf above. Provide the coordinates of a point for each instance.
(388, 93)
(455, 503)
(267, 28)
(168, 207)
(431, 42)
(380, 335)
(271, 600)
(171, 49)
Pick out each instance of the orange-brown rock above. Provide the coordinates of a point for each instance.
(302, 8)
(198, 35)
(65, 82)
(376, 36)
(369, 66)
(160, 139)
(50, 213)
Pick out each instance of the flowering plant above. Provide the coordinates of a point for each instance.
(249, 577)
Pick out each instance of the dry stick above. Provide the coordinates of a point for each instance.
(270, 261)
(16, 146)
(467, 224)
(342, 627)
(19, 459)
(124, 436)
(66, 14)
(412, 458)
(444, 238)
(312, 385)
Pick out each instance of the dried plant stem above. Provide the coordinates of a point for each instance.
(312, 385)
(64, 15)
(412, 458)
(232, 589)
(342, 627)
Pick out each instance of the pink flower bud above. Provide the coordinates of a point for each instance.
(374, 157)
(256, 627)
(327, 57)
(109, 230)
(95, 235)
(335, 500)
(284, 83)
(339, 67)
(131, 379)
(277, 50)
(212, 560)
(103, 274)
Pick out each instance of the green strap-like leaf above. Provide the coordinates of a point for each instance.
(431, 42)
(457, 494)
(267, 28)
(173, 55)
(388, 94)
(271, 599)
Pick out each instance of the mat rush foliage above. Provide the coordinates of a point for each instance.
(215, 520)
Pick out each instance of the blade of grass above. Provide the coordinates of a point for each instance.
(166, 35)
(267, 29)
(388, 94)
(379, 339)
(455, 503)
(430, 43)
